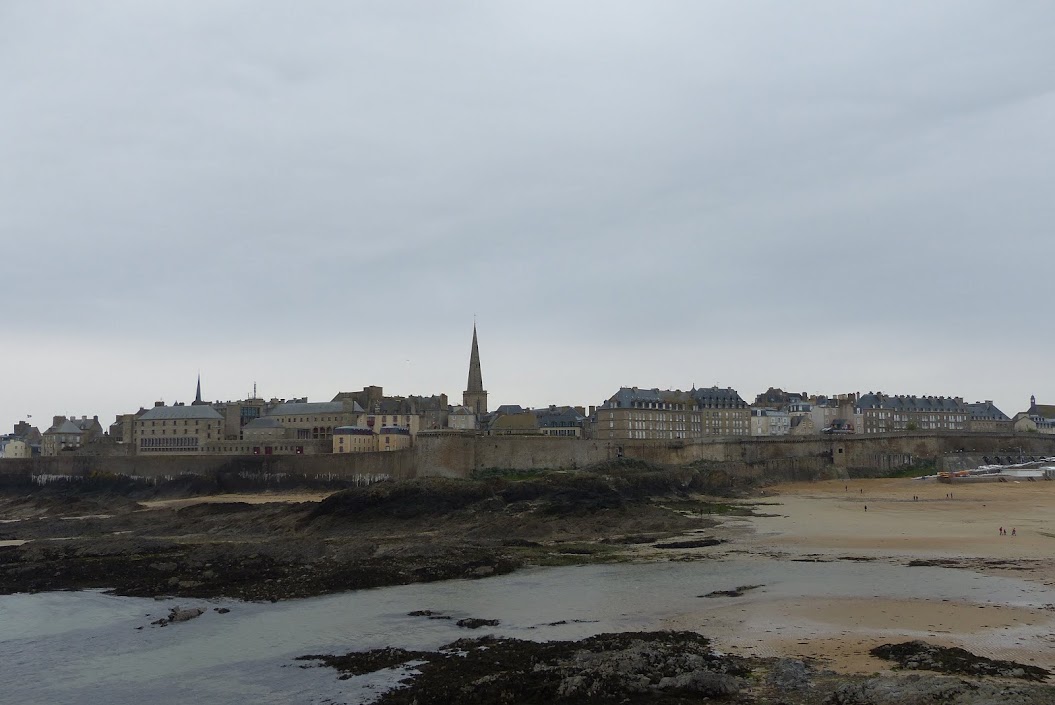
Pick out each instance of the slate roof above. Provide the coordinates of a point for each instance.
(909, 403)
(264, 422)
(712, 397)
(353, 431)
(307, 408)
(558, 417)
(86, 424)
(66, 427)
(717, 397)
(986, 411)
(523, 421)
(1045, 411)
(159, 413)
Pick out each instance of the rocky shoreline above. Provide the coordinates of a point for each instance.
(164, 542)
(80, 536)
(668, 667)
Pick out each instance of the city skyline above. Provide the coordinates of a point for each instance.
(455, 397)
(822, 197)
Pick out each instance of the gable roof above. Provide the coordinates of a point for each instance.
(159, 413)
(67, 427)
(305, 408)
(986, 411)
(909, 402)
(1046, 411)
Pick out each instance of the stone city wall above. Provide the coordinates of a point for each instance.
(396, 465)
(461, 454)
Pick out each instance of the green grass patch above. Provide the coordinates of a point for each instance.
(923, 467)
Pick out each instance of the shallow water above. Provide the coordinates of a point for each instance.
(84, 647)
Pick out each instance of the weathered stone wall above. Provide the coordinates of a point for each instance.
(394, 465)
(459, 455)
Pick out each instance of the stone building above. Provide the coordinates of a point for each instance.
(521, 422)
(265, 429)
(268, 446)
(1039, 418)
(14, 448)
(462, 418)
(418, 413)
(985, 417)
(769, 422)
(354, 439)
(63, 435)
(654, 414)
(306, 420)
(881, 413)
(177, 429)
(561, 421)
(393, 438)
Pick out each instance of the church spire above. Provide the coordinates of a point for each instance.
(474, 396)
(197, 393)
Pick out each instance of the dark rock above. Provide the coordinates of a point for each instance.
(923, 656)
(692, 543)
(737, 592)
(669, 667)
(789, 674)
(475, 623)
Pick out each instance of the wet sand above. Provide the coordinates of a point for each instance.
(954, 525)
(247, 497)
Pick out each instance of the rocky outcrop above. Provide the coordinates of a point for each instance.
(921, 656)
(931, 690)
(606, 668)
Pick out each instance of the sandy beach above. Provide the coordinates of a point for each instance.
(907, 521)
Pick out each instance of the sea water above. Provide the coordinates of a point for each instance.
(90, 647)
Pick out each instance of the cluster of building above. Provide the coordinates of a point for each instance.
(368, 421)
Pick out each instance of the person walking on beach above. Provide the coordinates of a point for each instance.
(1014, 532)
(1001, 531)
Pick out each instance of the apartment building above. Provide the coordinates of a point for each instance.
(654, 414)
(986, 417)
(176, 429)
(881, 413)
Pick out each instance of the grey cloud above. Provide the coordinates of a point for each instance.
(574, 173)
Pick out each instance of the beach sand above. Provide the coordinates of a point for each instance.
(952, 525)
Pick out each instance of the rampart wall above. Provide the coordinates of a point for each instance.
(461, 454)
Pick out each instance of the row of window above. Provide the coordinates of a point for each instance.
(170, 443)
(174, 432)
(652, 434)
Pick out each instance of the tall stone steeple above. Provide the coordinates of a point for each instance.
(197, 394)
(474, 395)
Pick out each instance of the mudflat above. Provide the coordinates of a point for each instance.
(908, 522)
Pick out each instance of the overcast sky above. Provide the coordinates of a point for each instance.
(315, 197)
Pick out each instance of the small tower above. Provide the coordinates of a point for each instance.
(474, 395)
